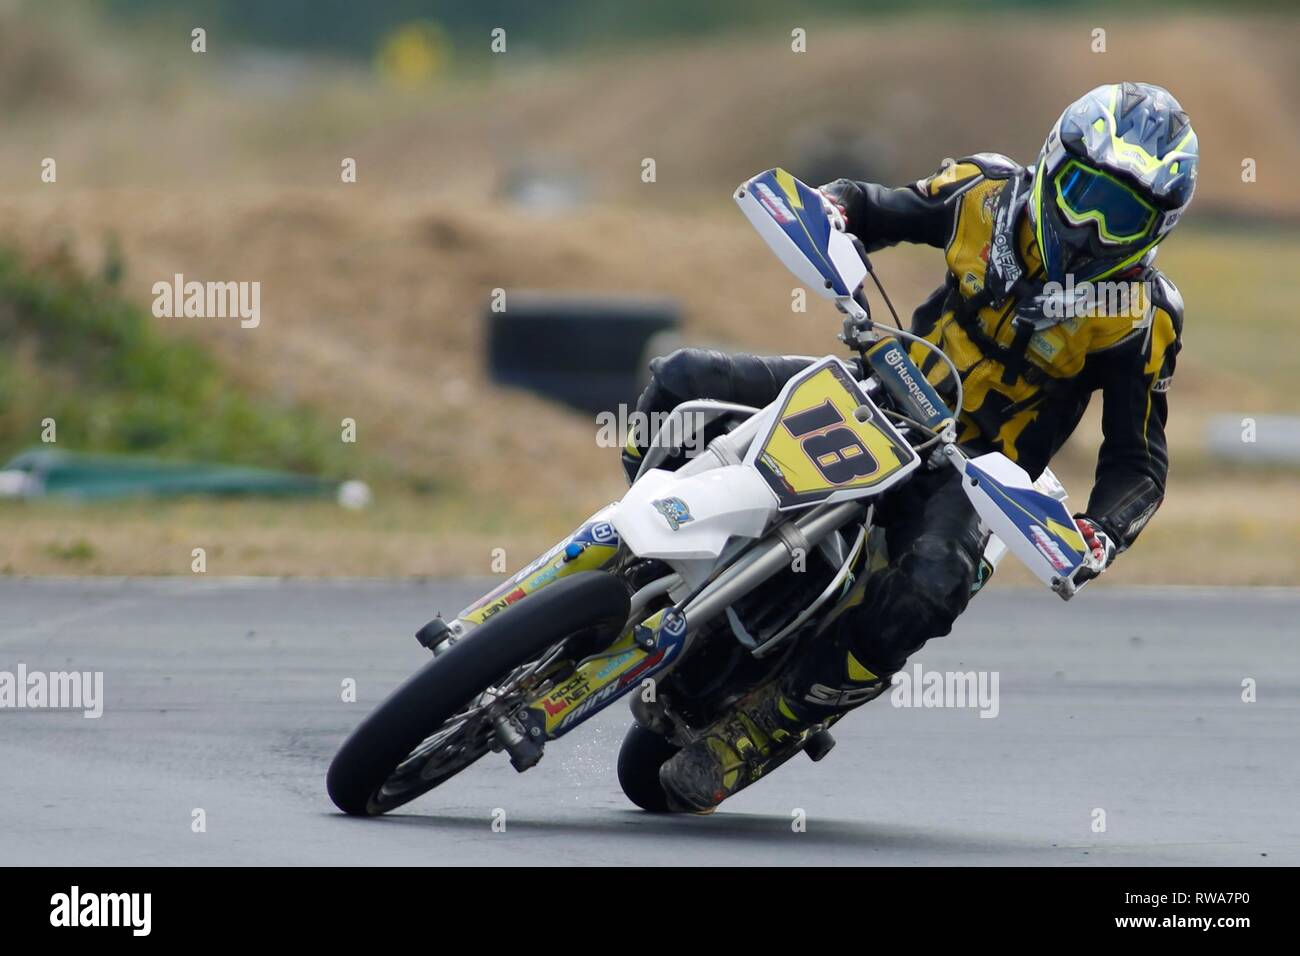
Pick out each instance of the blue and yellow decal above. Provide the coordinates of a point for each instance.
(1042, 519)
(587, 549)
(602, 679)
(797, 209)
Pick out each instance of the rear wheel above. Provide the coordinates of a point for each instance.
(427, 730)
(639, 759)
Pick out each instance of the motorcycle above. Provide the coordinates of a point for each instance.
(697, 585)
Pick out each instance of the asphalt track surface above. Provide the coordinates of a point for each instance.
(225, 695)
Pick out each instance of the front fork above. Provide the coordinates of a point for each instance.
(640, 652)
(592, 547)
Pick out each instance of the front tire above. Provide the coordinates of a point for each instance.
(406, 746)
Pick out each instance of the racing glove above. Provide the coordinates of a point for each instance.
(835, 200)
(1100, 547)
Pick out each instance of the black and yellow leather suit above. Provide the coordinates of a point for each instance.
(1027, 382)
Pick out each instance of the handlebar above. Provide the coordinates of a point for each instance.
(860, 297)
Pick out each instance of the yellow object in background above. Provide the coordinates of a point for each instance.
(413, 55)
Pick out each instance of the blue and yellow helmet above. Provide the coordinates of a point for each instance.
(1114, 177)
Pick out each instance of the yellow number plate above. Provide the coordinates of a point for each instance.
(830, 442)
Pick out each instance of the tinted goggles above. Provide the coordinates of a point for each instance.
(1087, 195)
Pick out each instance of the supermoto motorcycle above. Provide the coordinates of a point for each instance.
(700, 583)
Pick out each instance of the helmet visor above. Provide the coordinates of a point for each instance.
(1088, 195)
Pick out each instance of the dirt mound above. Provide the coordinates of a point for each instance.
(918, 89)
(372, 291)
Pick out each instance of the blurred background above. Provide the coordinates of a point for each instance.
(524, 170)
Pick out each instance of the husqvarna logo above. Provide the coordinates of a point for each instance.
(603, 533)
(673, 624)
(674, 511)
(894, 358)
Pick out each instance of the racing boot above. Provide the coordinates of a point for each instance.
(633, 455)
(759, 733)
(631, 458)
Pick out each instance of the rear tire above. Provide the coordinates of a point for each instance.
(639, 759)
(363, 778)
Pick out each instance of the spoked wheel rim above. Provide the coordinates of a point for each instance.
(459, 742)
(417, 737)
(455, 745)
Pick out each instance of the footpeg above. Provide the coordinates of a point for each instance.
(819, 744)
(434, 634)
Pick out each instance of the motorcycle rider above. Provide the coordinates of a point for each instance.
(1114, 176)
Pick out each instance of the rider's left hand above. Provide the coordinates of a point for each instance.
(1100, 547)
(834, 202)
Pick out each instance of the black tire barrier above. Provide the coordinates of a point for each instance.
(588, 352)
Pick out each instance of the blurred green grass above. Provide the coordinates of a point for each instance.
(82, 354)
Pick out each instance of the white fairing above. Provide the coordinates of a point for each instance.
(723, 503)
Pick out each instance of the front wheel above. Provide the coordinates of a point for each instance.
(425, 732)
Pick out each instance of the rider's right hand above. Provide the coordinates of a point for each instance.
(1101, 548)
